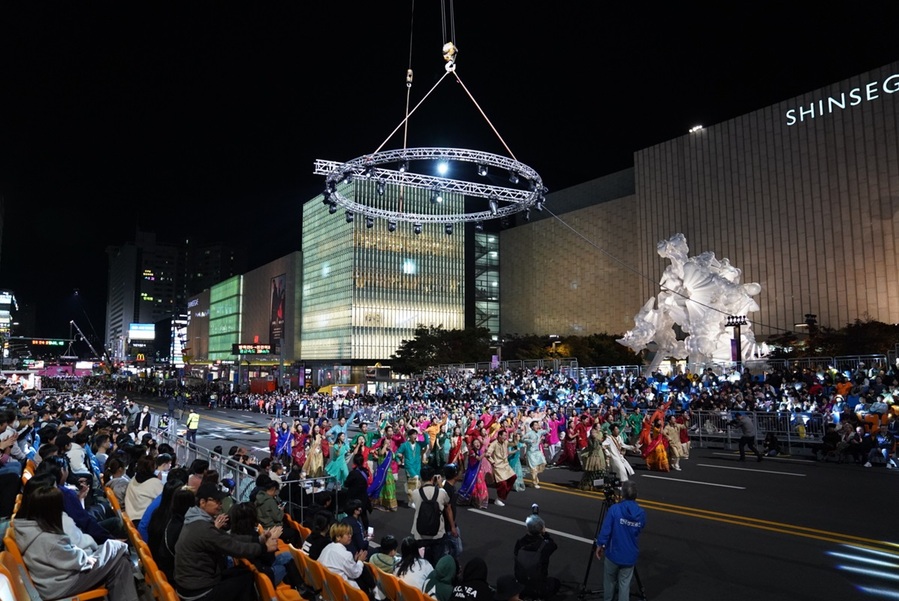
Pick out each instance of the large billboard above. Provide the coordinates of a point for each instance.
(276, 326)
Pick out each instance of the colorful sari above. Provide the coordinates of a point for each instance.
(515, 449)
(383, 486)
(474, 486)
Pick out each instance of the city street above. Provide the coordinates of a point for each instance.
(788, 528)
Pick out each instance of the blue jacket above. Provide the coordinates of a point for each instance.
(620, 530)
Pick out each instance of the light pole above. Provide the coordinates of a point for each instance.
(736, 350)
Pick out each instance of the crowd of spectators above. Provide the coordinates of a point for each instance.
(457, 426)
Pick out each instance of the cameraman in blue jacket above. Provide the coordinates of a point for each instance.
(617, 541)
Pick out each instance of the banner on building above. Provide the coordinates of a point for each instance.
(276, 327)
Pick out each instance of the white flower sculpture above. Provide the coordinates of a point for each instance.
(698, 294)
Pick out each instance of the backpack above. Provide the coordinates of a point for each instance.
(428, 521)
(528, 564)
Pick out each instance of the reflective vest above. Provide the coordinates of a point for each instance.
(193, 421)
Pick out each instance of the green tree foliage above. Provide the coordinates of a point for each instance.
(435, 346)
(861, 337)
(593, 350)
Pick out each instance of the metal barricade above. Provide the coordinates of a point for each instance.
(300, 494)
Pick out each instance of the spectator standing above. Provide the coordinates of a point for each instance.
(747, 435)
(617, 542)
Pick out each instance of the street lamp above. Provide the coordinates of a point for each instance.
(736, 350)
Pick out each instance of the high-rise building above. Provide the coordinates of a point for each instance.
(368, 284)
(150, 280)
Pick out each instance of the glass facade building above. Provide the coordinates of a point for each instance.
(366, 288)
(224, 317)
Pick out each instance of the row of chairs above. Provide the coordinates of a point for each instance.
(329, 586)
(154, 578)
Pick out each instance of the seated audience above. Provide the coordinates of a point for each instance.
(56, 565)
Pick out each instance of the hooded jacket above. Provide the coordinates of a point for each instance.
(202, 548)
(51, 558)
(620, 530)
(267, 511)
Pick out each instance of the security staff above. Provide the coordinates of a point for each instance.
(193, 423)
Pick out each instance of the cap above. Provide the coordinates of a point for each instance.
(210, 491)
(507, 587)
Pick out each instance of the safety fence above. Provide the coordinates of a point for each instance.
(792, 429)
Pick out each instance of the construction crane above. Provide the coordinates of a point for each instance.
(104, 356)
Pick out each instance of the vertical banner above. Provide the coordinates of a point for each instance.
(276, 326)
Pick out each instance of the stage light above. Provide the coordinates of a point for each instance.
(482, 169)
(448, 228)
(349, 217)
(479, 226)
(381, 185)
(494, 207)
(435, 195)
(442, 168)
(404, 166)
(391, 226)
(527, 215)
(369, 222)
(513, 177)
(332, 208)
(416, 228)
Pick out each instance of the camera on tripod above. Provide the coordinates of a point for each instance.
(610, 484)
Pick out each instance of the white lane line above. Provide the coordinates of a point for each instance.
(692, 481)
(746, 469)
(521, 522)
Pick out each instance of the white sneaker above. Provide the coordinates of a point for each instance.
(536, 486)
(499, 503)
(411, 505)
(677, 467)
(889, 466)
(868, 464)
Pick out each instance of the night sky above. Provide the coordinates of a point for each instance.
(202, 120)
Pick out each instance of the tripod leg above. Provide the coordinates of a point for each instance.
(640, 592)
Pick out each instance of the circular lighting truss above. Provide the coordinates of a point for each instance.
(501, 201)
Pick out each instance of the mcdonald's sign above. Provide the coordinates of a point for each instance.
(140, 358)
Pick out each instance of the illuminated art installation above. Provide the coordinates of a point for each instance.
(698, 294)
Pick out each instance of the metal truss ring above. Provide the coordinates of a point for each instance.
(504, 201)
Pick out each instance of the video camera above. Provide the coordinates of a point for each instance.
(611, 486)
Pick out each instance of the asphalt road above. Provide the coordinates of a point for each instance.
(785, 529)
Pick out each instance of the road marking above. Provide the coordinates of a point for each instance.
(782, 459)
(521, 522)
(692, 482)
(746, 469)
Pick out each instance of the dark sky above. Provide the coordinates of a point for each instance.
(203, 120)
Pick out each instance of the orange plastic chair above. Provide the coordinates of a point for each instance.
(316, 573)
(16, 565)
(165, 592)
(410, 593)
(113, 501)
(390, 584)
(333, 586)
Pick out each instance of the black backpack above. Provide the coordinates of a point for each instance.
(528, 564)
(428, 521)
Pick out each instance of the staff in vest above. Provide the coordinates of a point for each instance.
(193, 424)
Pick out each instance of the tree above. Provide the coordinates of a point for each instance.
(435, 346)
